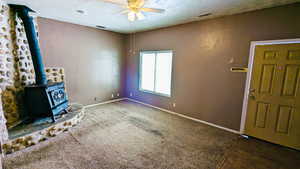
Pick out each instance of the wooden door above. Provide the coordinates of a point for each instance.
(274, 98)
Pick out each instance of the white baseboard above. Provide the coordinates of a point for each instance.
(184, 116)
(106, 102)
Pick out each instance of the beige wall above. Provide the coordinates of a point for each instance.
(203, 86)
(92, 59)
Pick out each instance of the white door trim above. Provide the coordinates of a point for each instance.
(250, 65)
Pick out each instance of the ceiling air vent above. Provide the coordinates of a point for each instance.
(100, 27)
(204, 15)
(80, 11)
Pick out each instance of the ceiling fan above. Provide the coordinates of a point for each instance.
(135, 8)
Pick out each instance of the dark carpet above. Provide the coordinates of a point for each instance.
(126, 135)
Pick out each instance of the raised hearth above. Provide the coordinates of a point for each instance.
(26, 135)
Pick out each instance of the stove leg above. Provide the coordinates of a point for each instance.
(53, 119)
(66, 111)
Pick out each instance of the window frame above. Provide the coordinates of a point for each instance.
(140, 72)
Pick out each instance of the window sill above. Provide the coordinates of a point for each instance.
(155, 93)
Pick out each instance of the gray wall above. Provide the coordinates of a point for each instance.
(93, 59)
(203, 86)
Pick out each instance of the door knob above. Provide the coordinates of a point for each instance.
(252, 90)
(251, 96)
(251, 93)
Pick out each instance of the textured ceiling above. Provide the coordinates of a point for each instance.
(105, 14)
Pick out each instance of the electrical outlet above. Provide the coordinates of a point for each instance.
(112, 96)
(131, 94)
(174, 104)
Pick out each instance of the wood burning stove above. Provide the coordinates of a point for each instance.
(46, 100)
(42, 99)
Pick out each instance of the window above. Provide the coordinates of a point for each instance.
(156, 72)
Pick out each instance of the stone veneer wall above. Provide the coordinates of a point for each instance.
(55, 74)
(16, 68)
(3, 129)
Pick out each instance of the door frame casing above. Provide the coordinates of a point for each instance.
(249, 73)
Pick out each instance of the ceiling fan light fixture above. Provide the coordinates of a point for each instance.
(135, 9)
(140, 16)
(131, 16)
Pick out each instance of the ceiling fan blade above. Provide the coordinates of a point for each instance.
(125, 11)
(155, 10)
(131, 16)
(140, 16)
(115, 2)
(140, 3)
(136, 3)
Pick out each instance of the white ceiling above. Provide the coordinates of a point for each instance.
(108, 15)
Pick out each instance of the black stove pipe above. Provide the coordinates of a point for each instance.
(23, 12)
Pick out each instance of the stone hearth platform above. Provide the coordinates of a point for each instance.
(26, 135)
